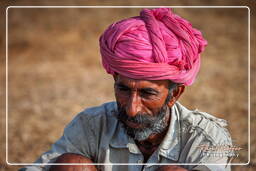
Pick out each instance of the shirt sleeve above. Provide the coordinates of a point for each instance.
(207, 167)
(211, 168)
(77, 138)
(208, 158)
(210, 146)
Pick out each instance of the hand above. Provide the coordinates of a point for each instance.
(171, 168)
(73, 158)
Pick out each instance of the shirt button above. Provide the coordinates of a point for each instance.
(139, 161)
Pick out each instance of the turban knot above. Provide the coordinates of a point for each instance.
(157, 45)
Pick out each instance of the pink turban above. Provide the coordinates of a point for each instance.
(157, 45)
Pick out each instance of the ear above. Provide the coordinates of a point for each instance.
(176, 94)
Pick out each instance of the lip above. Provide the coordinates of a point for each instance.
(133, 125)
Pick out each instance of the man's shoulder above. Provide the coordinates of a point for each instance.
(93, 121)
(106, 109)
(198, 123)
(98, 117)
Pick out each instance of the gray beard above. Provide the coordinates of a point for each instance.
(152, 124)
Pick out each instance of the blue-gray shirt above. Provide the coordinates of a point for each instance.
(96, 133)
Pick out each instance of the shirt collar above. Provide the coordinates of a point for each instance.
(122, 140)
(169, 148)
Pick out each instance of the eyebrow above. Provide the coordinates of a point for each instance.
(121, 85)
(151, 90)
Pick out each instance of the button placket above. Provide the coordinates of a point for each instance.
(152, 159)
(140, 161)
(137, 159)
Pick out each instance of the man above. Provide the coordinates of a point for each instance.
(152, 57)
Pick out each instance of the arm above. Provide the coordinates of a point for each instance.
(76, 139)
(171, 168)
(73, 158)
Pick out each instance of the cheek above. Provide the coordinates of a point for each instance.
(153, 105)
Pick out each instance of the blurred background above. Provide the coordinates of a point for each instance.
(54, 71)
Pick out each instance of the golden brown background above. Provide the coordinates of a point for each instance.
(54, 70)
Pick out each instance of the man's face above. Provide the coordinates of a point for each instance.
(142, 106)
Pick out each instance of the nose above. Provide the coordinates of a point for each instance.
(134, 105)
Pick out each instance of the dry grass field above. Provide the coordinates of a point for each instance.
(54, 72)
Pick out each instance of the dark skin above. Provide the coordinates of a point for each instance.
(73, 158)
(142, 96)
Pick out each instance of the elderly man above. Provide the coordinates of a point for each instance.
(152, 57)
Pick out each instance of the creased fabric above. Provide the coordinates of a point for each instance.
(157, 45)
(97, 134)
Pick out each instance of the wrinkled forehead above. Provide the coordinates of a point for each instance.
(140, 83)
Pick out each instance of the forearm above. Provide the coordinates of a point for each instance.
(171, 168)
(73, 158)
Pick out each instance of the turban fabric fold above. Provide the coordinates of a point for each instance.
(157, 45)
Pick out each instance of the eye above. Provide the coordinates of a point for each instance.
(148, 93)
(122, 88)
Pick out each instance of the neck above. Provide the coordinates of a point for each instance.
(148, 146)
